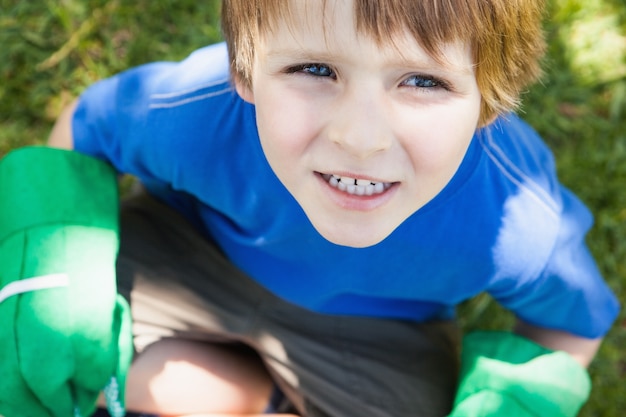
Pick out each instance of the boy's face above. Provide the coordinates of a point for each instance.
(362, 135)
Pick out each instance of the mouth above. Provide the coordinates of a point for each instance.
(356, 186)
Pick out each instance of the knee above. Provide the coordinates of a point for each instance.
(175, 376)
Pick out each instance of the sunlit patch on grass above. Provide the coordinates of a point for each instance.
(594, 35)
(597, 49)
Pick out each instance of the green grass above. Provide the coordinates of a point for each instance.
(52, 50)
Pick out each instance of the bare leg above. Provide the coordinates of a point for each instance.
(234, 415)
(176, 377)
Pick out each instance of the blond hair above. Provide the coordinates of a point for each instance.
(505, 37)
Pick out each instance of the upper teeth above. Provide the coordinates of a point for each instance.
(356, 186)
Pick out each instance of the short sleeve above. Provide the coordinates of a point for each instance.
(114, 118)
(570, 294)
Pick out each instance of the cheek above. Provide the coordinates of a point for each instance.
(286, 127)
(437, 148)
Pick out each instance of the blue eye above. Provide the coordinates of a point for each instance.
(421, 81)
(318, 70)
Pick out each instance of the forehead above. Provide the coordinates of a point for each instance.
(312, 20)
(378, 16)
(384, 21)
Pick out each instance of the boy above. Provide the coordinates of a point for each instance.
(354, 178)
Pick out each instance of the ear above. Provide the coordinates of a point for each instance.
(244, 90)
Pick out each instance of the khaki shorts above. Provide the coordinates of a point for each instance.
(180, 285)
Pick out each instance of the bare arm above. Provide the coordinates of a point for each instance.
(581, 349)
(61, 134)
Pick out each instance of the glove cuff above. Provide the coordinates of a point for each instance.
(542, 382)
(44, 188)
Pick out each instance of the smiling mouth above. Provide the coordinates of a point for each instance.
(356, 186)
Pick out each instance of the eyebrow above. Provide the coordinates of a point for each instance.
(299, 54)
(433, 65)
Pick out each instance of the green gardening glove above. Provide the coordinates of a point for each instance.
(65, 333)
(507, 375)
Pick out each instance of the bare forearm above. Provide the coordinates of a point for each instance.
(61, 134)
(581, 349)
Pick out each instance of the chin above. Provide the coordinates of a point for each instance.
(343, 236)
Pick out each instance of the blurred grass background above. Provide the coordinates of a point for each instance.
(51, 50)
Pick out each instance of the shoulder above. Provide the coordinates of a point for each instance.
(157, 83)
(167, 97)
(142, 118)
(520, 185)
(515, 137)
(517, 153)
(204, 68)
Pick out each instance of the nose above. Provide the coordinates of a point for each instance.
(359, 124)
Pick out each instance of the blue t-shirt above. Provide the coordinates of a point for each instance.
(503, 224)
